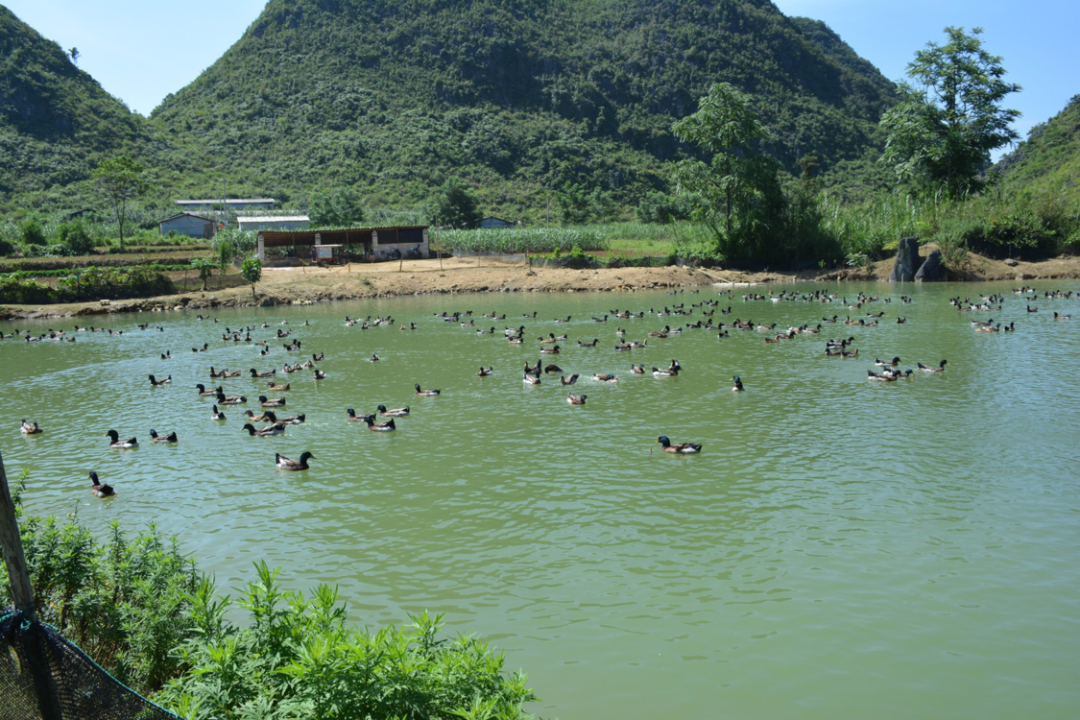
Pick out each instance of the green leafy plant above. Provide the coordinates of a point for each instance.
(251, 270)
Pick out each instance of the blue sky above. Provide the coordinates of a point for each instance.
(140, 51)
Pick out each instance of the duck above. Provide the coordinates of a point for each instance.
(686, 448)
(287, 420)
(163, 439)
(552, 368)
(319, 357)
(605, 377)
(167, 355)
(203, 392)
(116, 442)
(319, 374)
(637, 369)
(164, 381)
(374, 358)
(358, 418)
(425, 393)
(396, 412)
(883, 377)
(669, 372)
(594, 343)
(31, 428)
(286, 463)
(274, 387)
(938, 369)
(568, 380)
(217, 414)
(265, 416)
(484, 371)
(98, 488)
(274, 429)
(530, 379)
(387, 426)
(887, 363)
(231, 400)
(738, 386)
(271, 403)
(553, 350)
(265, 374)
(576, 399)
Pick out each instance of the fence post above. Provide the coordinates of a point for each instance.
(21, 590)
(23, 594)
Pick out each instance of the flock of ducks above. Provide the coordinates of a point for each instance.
(884, 370)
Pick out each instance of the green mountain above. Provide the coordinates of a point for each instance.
(56, 122)
(1048, 162)
(517, 96)
(390, 97)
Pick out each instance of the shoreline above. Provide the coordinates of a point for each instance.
(306, 286)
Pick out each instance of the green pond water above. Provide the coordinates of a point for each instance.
(840, 548)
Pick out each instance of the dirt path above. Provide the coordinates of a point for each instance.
(282, 286)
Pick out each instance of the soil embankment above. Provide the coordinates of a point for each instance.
(282, 286)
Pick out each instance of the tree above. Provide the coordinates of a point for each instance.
(739, 188)
(74, 53)
(340, 208)
(205, 266)
(942, 133)
(456, 205)
(251, 269)
(120, 180)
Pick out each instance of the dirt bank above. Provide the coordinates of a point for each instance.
(468, 275)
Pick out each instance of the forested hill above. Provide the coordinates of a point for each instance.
(517, 96)
(55, 120)
(1049, 160)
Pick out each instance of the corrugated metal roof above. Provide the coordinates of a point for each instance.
(229, 201)
(272, 218)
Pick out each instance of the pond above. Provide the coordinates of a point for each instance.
(840, 548)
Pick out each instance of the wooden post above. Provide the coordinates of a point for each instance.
(21, 590)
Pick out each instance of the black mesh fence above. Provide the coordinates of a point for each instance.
(43, 676)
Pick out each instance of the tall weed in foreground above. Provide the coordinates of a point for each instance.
(299, 659)
(122, 601)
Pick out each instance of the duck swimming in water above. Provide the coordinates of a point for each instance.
(387, 426)
(31, 428)
(939, 369)
(203, 392)
(358, 418)
(268, 403)
(396, 412)
(738, 386)
(275, 429)
(686, 448)
(286, 463)
(231, 400)
(576, 399)
(98, 488)
(217, 415)
(157, 383)
(163, 439)
(425, 393)
(116, 442)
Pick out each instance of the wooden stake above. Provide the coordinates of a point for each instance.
(21, 590)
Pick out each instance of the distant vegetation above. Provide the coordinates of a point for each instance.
(566, 114)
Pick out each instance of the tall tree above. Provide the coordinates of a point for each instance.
(942, 133)
(738, 184)
(455, 205)
(120, 180)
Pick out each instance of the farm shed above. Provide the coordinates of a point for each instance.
(358, 244)
(188, 224)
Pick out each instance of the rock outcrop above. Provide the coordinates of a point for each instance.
(907, 260)
(933, 270)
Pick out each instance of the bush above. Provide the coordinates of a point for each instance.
(76, 237)
(31, 232)
(7, 248)
(298, 659)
